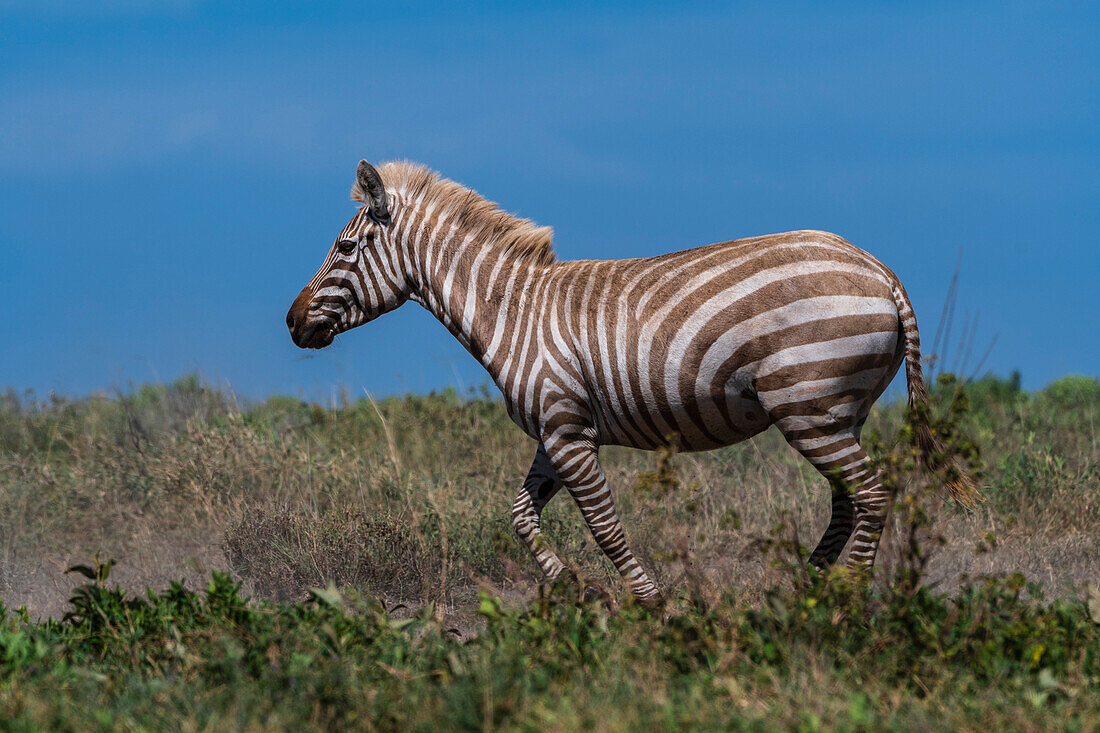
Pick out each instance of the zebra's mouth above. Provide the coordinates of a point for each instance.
(314, 337)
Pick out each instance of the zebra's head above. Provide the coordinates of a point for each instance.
(360, 278)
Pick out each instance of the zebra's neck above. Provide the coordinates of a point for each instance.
(462, 270)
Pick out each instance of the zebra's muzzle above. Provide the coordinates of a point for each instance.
(306, 332)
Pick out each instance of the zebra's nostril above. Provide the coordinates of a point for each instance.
(290, 320)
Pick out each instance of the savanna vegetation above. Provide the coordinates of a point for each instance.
(353, 566)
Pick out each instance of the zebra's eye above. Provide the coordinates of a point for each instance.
(346, 246)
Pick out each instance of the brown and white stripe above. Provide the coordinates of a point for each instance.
(703, 348)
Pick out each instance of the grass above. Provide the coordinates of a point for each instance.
(389, 592)
(827, 655)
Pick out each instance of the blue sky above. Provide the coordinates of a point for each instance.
(171, 173)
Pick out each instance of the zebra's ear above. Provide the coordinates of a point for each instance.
(374, 192)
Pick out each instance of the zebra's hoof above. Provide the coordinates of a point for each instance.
(596, 594)
(652, 603)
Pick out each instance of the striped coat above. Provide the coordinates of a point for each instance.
(702, 348)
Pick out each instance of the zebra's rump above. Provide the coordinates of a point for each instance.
(714, 344)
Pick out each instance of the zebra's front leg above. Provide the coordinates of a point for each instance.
(578, 466)
(538, 489)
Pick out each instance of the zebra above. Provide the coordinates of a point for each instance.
(700, 348)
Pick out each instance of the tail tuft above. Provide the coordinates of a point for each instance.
(933, 453)
(936, 459)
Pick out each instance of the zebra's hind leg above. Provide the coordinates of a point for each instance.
(538, 489)
(841, 523)
(860, 501)
(872, 502)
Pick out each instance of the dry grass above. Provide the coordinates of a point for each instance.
(408, 498)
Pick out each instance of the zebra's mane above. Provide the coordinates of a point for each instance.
(512, 236)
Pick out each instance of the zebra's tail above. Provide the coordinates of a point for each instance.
(932, 452)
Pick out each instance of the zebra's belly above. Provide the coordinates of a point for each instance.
(692, 422)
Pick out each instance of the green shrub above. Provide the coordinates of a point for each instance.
(1074, 391)
(830, 652)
